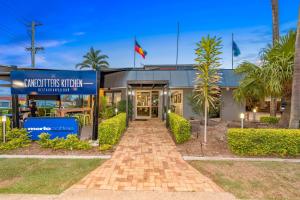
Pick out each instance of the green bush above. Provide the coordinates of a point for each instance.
(110, 130)
(180, 127)
(264, 142)
(104, 147)
(72, 142)
(15, 138)
(269, 119)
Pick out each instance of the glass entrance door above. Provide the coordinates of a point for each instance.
(143, 104)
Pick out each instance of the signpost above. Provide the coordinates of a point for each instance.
(55, 82)
(56, 127)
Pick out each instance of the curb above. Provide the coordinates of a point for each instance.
(214, 158)
(56, 156)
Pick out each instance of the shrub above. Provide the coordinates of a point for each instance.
(111, 129)
(262, 142)
(180, 127)
(15, 138)
(104, 147)
(72, 142)
(269, 119)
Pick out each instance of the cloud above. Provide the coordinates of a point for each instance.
(52, 43)
(79, 33)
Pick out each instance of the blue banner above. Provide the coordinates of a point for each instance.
(56, 127)
(53, 82)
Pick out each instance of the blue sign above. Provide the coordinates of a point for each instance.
(56, 127)
(53, 82)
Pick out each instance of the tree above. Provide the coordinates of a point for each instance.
(207, 91)
(275, 27)
(295, 101)
(94, 60)
(252, 88)
(273, 77)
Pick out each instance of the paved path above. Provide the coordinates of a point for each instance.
(147, 160)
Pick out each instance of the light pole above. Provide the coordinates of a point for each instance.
(254, 114)
(242, 116)
(4, 128)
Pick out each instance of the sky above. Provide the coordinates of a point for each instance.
(70, 28)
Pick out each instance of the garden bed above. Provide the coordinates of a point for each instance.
(35, 149)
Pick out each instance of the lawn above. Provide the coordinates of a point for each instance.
(42, 176)
(254, 180)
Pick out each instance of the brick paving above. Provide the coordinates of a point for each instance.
(146, 159)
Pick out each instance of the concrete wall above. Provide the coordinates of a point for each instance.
(230, 109)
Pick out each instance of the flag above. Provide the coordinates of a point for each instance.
(139, 50)
(235, 49)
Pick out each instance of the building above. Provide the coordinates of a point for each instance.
(151, 88)
(155, 89)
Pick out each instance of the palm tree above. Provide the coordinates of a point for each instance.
(274, 76)
(252, 86)
(206, 91)
(295, 102)
(94, 60)
(275, 27)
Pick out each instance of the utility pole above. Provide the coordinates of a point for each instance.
(33, 49)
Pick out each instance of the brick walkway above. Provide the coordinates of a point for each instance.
(146, 159)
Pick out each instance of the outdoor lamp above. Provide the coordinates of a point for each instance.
(3, 127)
(254, 114)
(165, 92)
(242, 116)
(116, 110)
(129, 93)
(169, 111)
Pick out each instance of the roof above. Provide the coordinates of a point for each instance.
(176, 78)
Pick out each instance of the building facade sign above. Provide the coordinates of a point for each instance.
(53, 82)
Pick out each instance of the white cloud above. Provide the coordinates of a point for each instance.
(52, 43)
(79, 33)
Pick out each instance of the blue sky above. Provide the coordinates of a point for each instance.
(71, 27)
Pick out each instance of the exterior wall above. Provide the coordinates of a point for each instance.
(188, 112)
(230, 109)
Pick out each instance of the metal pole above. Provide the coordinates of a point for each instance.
(232, 51)
(96, 108)
(177, 45)
(15, 111)
(127, 105)
(134, 53)
(3, 130)
(242, 123)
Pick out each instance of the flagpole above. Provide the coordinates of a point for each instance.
(232, 51)
(177, 45)
(134, 52)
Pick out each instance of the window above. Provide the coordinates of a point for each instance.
(113, 97)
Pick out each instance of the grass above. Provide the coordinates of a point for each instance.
(42, 176)
(254, 180)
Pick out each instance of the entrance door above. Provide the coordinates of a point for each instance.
(143, 104)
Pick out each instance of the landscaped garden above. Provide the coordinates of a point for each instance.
(43, 176)
(17, 141)
(254, 180)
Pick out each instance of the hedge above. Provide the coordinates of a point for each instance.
(110, 130)
(180, 127)
(269, 119)
(264, 142)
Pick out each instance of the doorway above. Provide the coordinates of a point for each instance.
(147, 104)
